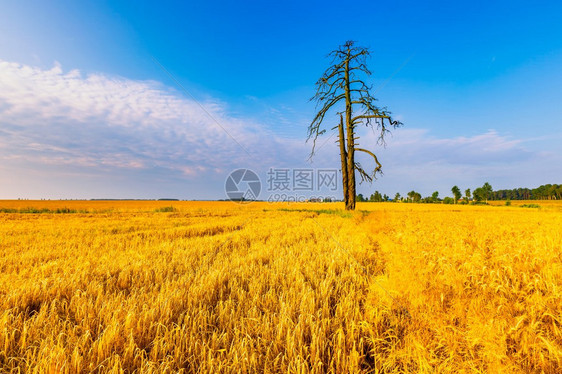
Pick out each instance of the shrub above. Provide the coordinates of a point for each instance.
(165, 209)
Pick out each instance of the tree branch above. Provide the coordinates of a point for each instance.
(379, 166)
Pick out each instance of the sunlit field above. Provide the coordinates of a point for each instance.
(167, 286)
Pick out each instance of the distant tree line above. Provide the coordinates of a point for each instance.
(544, 192)
(479, 195)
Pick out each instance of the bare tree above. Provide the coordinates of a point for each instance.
(342, 89)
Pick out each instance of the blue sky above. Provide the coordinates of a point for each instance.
(86, 112)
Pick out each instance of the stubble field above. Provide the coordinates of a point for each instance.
(91, 286)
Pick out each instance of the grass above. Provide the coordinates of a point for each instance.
(30, 210)
(339, 212)
(530, 206)
(165, 209)
(224, 287)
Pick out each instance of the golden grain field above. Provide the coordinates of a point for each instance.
(222, 287)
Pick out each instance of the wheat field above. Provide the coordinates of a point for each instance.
(147, 286)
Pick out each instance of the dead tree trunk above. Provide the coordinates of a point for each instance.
(343, 156)
(341, 85)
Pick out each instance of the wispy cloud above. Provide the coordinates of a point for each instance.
(418, 159)
(52, 116)
(57, 124)
(421, 147)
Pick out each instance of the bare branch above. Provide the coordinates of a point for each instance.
(342, 82)
(379, 166)
(363, 174)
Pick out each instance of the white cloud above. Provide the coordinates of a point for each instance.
(49, 116)
(421, 147)
(56, 124)
(417, 159)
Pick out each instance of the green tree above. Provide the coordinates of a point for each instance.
(397, 197)
(376, 197)
(411, 195)
(435, 196)
(456, 193)
(487, 188)
(414, 196)
(467, 195)
(343, 89)
(479, 194)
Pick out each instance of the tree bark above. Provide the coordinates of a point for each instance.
(350, 140)
(343, 155)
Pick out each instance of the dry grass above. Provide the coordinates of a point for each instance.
(221, 287)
